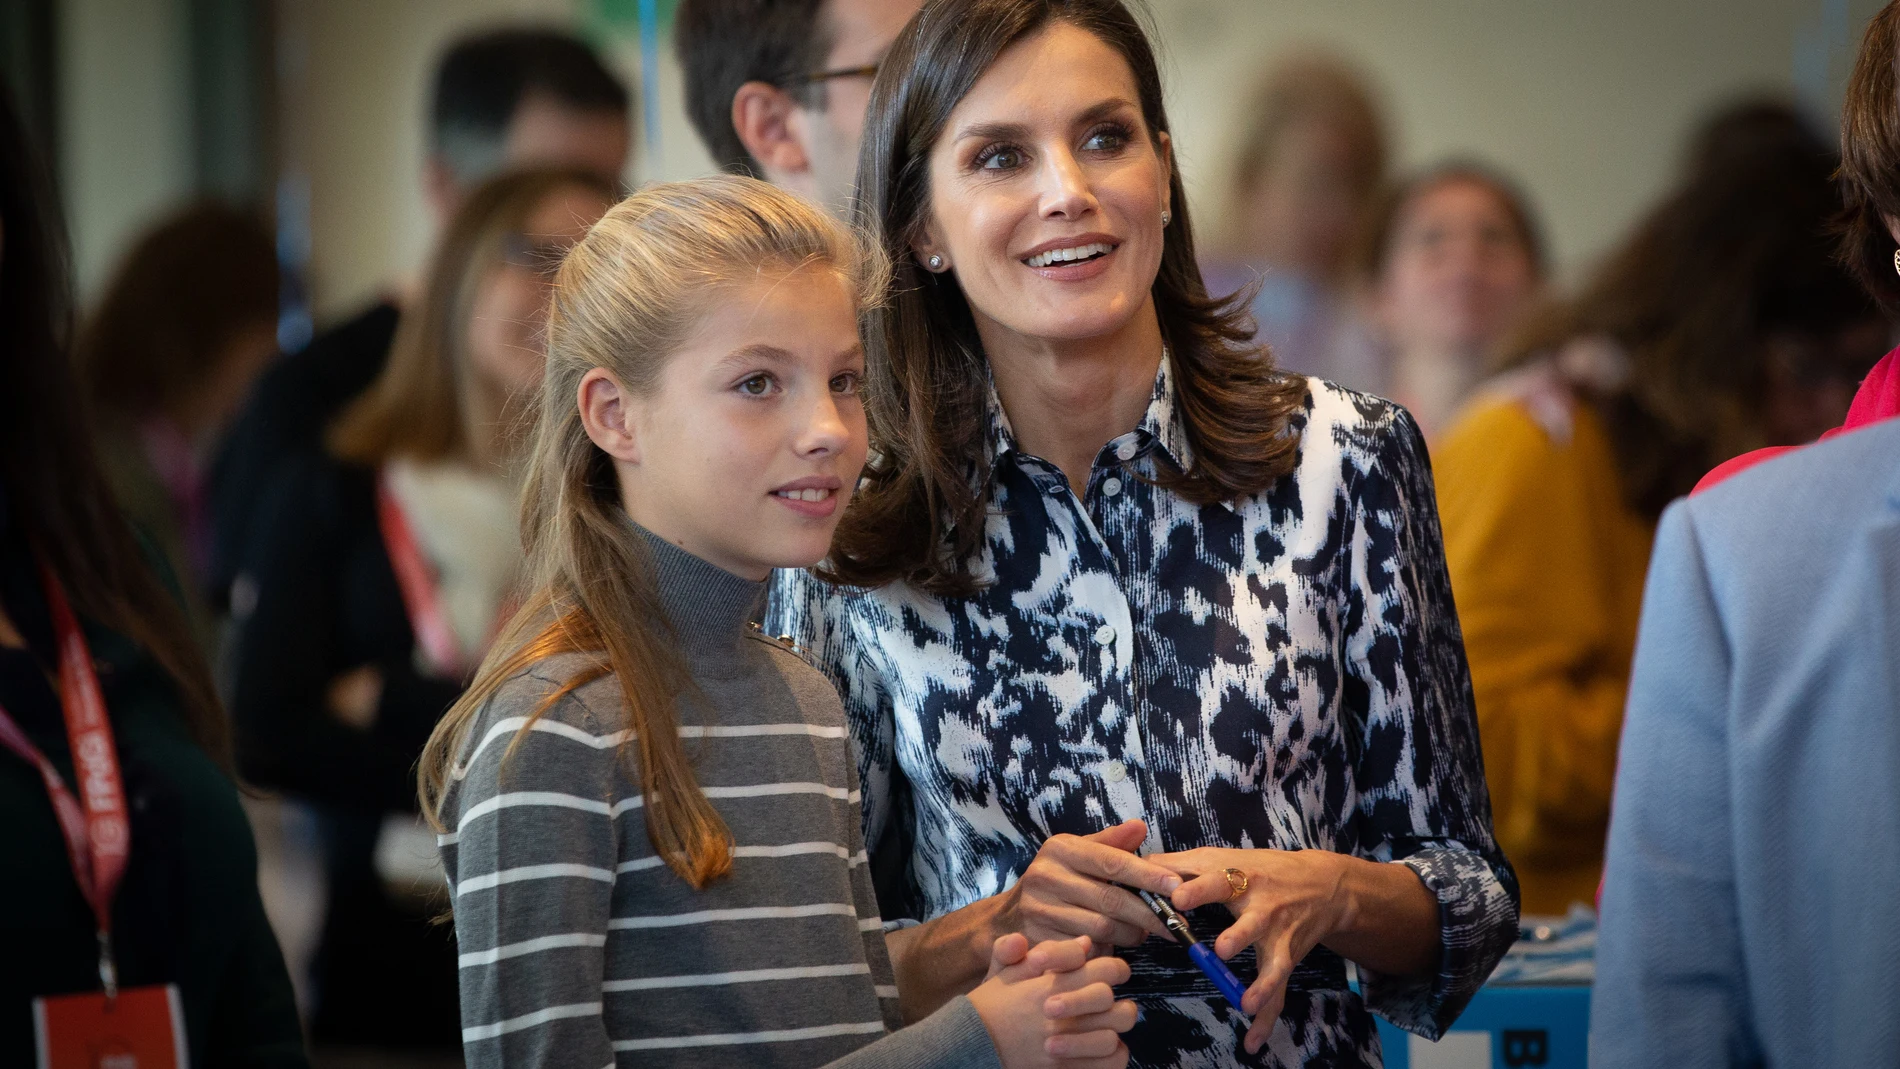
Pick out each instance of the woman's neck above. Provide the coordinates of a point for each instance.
(1067, 399)
(1433, 381)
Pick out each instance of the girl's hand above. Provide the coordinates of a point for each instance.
(1051, 1005)
(1294, 901)
(1069, 889)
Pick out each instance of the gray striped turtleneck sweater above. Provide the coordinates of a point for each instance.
(580, 949)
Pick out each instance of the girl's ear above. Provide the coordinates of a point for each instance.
(608, 415)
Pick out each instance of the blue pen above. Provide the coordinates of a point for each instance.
(1202, 954)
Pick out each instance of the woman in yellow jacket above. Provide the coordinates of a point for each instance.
(1721, 325)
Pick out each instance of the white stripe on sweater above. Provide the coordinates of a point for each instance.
(744, 731)
(530, 1020)
(788, 850)
(513, 724)
(750, 913)
(535, 798)
(748, 976)
(532, 872)
(531, 946)
(783, 1035)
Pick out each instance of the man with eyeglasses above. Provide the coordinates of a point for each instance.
(778, 88)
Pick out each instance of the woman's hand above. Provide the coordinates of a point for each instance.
(1069, 890)
(1294, 901)
(1052, 1006)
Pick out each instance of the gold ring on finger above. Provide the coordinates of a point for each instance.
(1236, 883)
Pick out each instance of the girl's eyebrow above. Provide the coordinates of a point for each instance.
(754, 353)
(1012, 131)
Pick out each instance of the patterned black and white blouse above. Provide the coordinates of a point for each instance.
(1283, 672)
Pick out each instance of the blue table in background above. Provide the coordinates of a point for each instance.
(1533, 1014)
(1505, 1027)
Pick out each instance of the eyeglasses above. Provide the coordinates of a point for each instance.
(867, 71)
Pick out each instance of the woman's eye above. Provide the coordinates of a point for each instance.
(999, 158)
(756, 386)
(847, 383)
(1110, 139)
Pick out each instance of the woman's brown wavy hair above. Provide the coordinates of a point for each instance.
(920, 514)
(1739, 253)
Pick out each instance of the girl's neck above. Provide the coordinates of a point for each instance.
(1067, 399)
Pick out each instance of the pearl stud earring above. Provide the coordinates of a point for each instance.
(1896, 261)
(1168, 217)
(935, 263)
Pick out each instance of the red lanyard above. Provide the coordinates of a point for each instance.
(417, 582)
(98, 836)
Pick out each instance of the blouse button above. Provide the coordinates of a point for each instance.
(1114, 772)
(1104, 635)
(1111, 487)
(1126, 450)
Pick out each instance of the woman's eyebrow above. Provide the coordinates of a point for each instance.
(1015, 131)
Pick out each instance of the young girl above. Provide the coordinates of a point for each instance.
(650, 812)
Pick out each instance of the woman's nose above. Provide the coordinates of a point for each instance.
(1065, 189)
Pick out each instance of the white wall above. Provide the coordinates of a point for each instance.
(355, 82)
(124, 123)
(1587, 102)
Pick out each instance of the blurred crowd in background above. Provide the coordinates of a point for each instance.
(1563, 415)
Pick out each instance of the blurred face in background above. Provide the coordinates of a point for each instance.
(507, 321)
(860, 32)
(1458, 271)
(1046, 192)
(1303, 210)
(547, 133)
(544, 132)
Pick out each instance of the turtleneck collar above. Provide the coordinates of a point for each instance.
(708, 606)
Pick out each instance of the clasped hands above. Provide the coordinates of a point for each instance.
(1293, 900)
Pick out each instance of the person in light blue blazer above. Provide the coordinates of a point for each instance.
(1751, 902)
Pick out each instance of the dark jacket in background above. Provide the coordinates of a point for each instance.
(287, 413)
(187, 911)
(326, 602)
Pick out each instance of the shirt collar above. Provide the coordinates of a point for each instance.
(1160, 430)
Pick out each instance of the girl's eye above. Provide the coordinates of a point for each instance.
(1106, 139)
(999, 158)
(757, 386)
(847, 383)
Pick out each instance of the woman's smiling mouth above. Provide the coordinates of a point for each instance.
(1074, 259)
(1072, 254)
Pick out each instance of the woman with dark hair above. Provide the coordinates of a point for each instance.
(1453, 259)
(84, 613)
(1116, 586)
(186, 324)
(1722, 324)
(381, 568)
